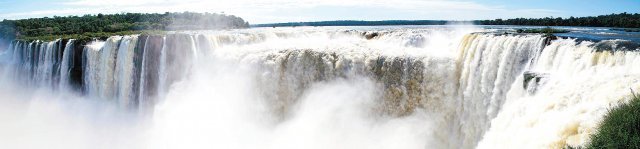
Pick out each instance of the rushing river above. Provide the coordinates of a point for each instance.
(316, 87)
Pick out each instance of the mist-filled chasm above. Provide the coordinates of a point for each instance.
(307, 87)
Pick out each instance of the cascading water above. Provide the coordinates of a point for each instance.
(582, 82)
(333, 87)
(125, 71)
(488, 66)
(66, 64)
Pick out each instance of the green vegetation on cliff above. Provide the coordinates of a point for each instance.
(114, 24)
(91, 35)
(546, 30)
(620, 127)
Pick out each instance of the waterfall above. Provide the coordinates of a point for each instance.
(100, 58)
(143, 72)
(37, 63)
(469, 89)
(150, 70)
(125, 71)
(162, 72)
(489, 65)
(580, 84)
(66, 65)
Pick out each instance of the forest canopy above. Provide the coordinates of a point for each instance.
(622, 20)
(110, 24)
(114, 23)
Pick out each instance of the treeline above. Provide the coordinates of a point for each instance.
(111, 23)
(359, 23)
(622, 20)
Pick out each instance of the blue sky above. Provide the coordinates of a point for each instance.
(269, 11)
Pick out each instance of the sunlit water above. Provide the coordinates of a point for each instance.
(312, 87)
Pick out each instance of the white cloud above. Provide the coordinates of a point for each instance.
(400, 4)
(43, 13)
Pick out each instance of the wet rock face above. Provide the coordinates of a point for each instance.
(150, 66)
(370, 36)
(549, 38)
(532, 80)
(405, 82)
(616, 45)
